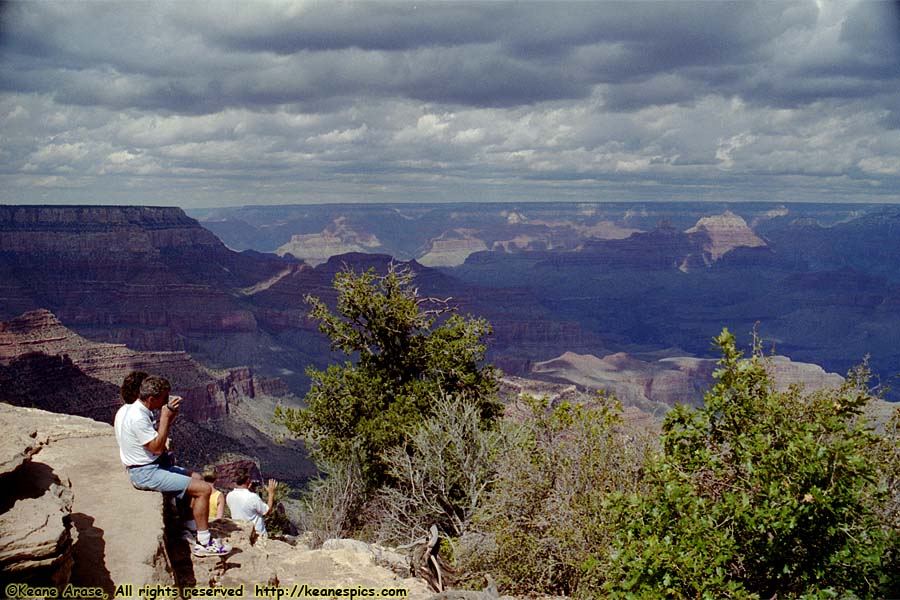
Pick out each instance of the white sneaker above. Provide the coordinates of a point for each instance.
(213, 548)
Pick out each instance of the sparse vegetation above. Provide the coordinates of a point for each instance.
(544, 517)
(441, 476)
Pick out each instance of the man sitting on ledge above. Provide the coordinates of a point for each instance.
(141, 448)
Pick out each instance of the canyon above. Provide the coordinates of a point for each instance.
(226, 413)
(583, 299)
(589, 279)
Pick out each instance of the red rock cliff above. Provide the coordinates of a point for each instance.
(208, 393)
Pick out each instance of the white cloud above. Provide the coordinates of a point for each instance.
(880, 165)
(450, 101)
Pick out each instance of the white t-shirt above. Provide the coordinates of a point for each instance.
(134, 428)
(247, 506)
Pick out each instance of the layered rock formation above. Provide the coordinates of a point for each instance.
(657, 385)
(724, 233)
(226, 413)
(514, 390)
(337, 238)
(38, 338)
(149, 277)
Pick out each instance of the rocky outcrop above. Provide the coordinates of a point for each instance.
(16, 447)
(347, 564)
(724, 233)
(36, 535)
(68, 514)
(337, 238)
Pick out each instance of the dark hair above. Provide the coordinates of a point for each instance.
(131, 386)
(154, 387)
(242, 475)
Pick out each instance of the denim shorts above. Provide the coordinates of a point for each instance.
(154, 478)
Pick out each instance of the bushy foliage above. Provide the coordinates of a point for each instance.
(408, 351)
(544, 516)
(759, 493)
(441, 475)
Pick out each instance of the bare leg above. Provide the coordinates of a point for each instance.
(199, 491)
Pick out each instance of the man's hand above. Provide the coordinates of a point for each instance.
(174, 403)
(167, 414)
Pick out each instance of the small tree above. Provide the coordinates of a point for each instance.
(759, 494)
(408, 351)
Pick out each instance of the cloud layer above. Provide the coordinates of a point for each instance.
(214, 103)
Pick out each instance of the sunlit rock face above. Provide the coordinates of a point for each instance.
(452, 248)
(337, 238)
(725, 232)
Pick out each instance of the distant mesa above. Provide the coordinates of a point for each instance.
(543, 235)
(92, 229)
(453, 248)
(515, 218)
(602, 230)
(337, 238)
(725, 232)
(657, 385)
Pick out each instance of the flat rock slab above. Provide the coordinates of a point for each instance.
(16, 445)
(119, 529)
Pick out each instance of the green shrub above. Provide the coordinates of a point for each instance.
(758, 494)
(544, 517)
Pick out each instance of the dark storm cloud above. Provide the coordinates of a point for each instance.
(203, 100)
(367, 26)
(475, 54)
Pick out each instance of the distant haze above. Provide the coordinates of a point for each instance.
(224, 103)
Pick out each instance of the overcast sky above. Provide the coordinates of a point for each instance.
(247, 102)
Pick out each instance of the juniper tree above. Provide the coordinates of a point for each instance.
(403, 352)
